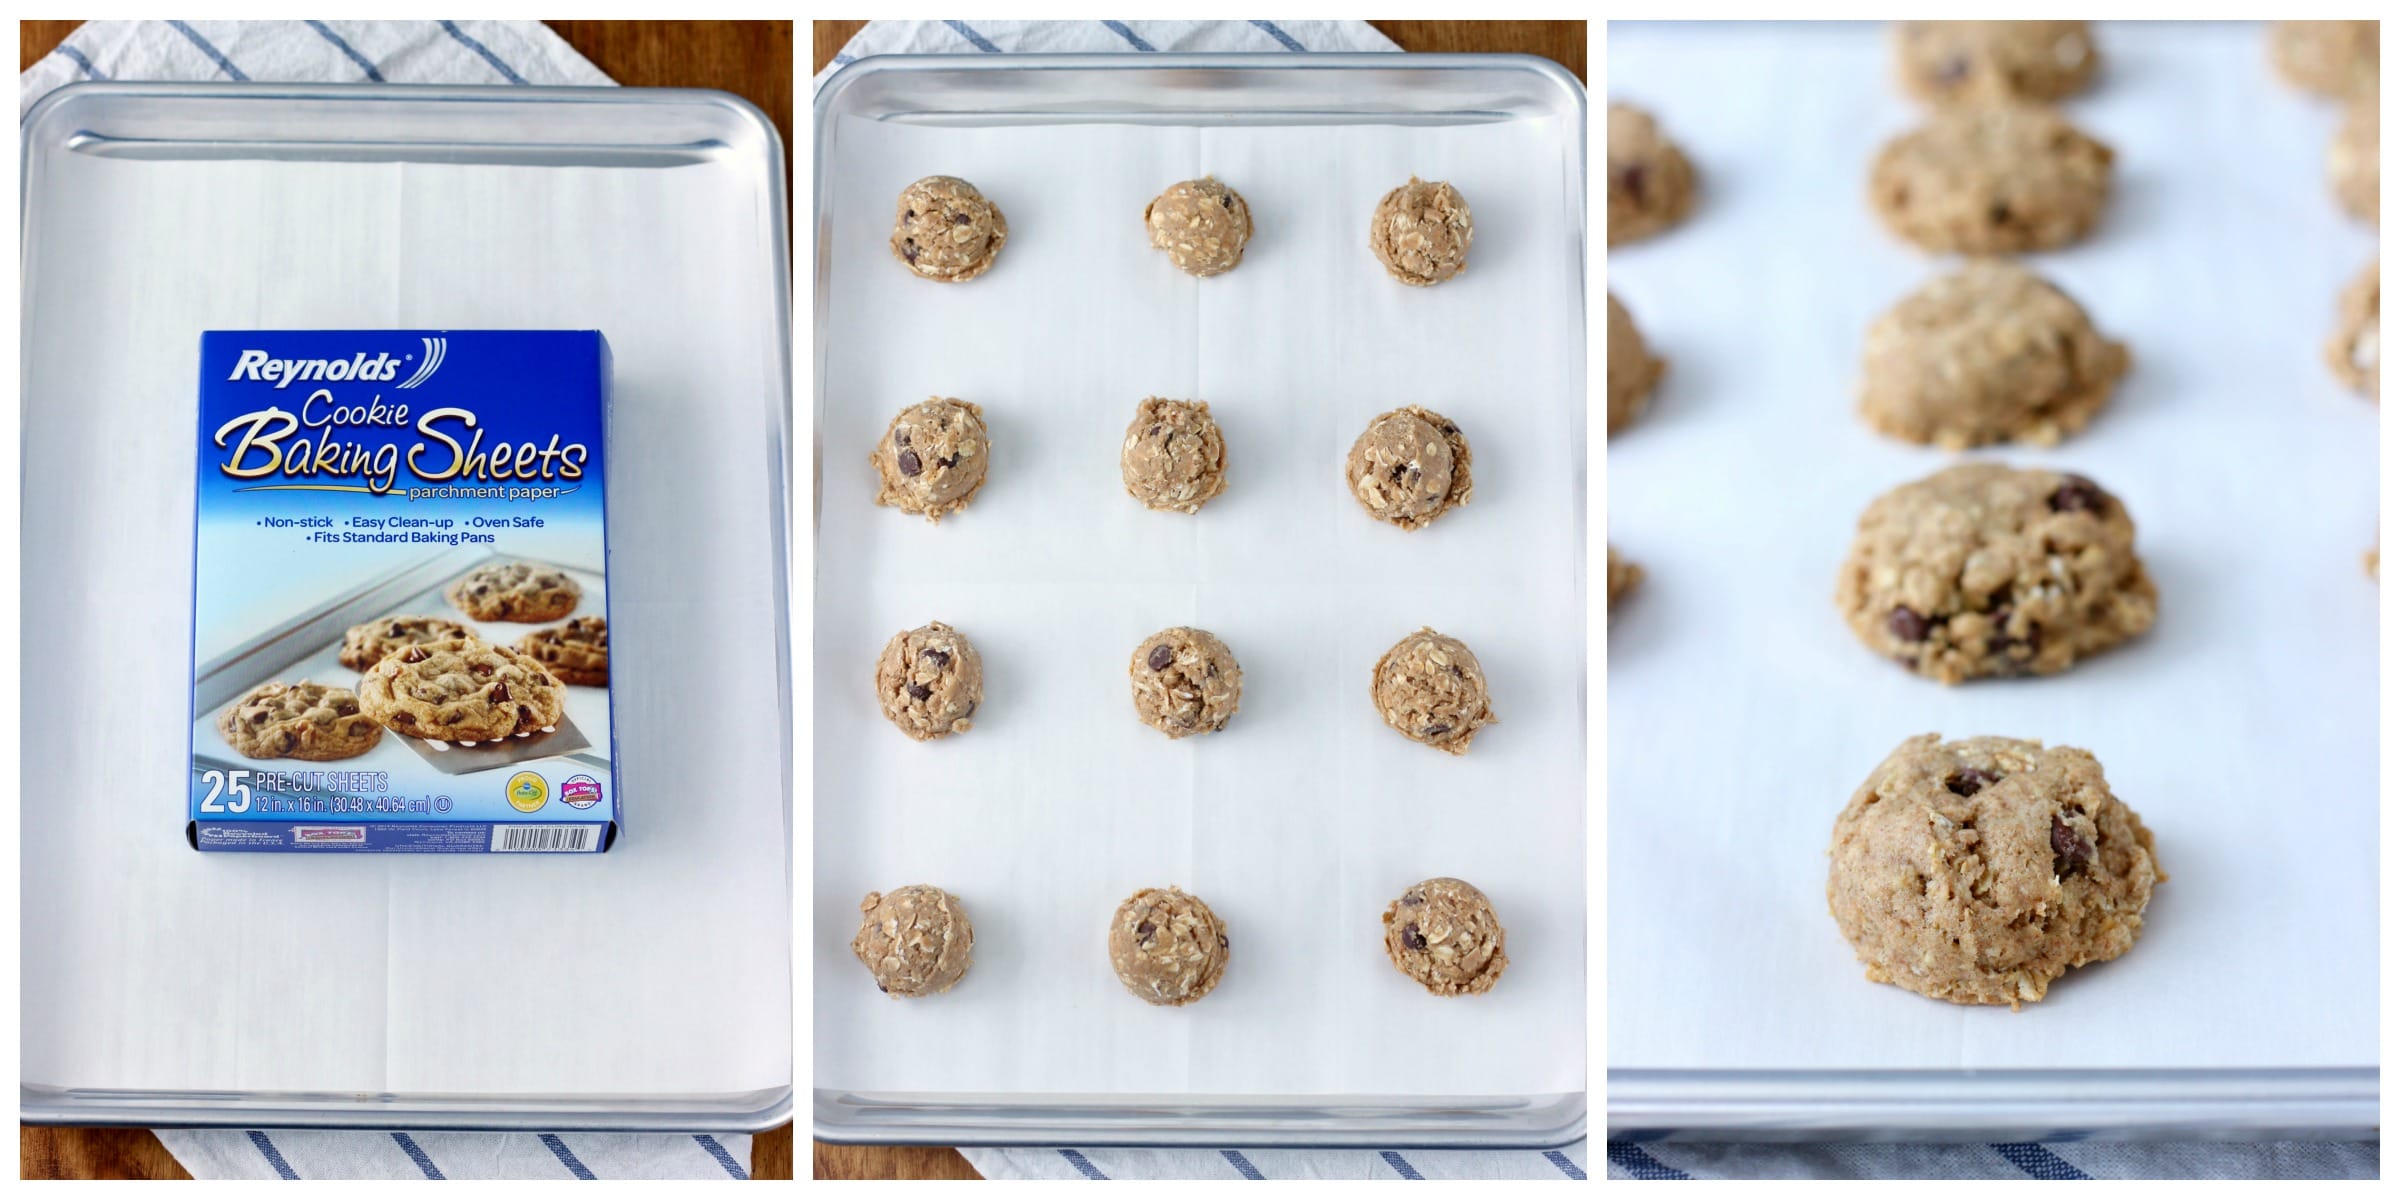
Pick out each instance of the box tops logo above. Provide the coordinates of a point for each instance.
(258, 366)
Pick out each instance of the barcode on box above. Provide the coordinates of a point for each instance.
(541, 839)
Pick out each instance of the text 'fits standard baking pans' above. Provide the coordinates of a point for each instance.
(1058, 802)
(647, 988)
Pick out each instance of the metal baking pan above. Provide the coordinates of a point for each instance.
(1184, 90)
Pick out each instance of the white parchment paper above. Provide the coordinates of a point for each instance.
(1742, 713)
(1306, 816)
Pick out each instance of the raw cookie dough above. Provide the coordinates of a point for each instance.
(515, 591)
(576, 651)
(463, 690)
(929, 681)
(1632, 371)
(1989, 353)
(1174, 456)
(1980, 870)
(915, 941)
(1185, 681)
(1651, 185)
(366, 644)
(1409, 467)
(1201, 224)
(1982, 570)
(1622, 575)
(298, 720)
(2356, 350)
(2331, 58)
(1431, 689)
(932, 458)
(1991, 179)
(1421, 231)
(1443, 934)
(944, 230)
(2355, 163)
(1947, 62)
(1167, 946)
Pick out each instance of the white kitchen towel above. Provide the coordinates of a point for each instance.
(484, 52)
(1999, 1160)
(1105, 37)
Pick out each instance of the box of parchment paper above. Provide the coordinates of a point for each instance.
(400, 594)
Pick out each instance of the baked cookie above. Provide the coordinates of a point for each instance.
(2354, 165)
(1185, 681)
(1988, 353)
(1420, 232)
(1409, 467)
(2356, 350)
(1991, 179)
(1651, 184)
(1174, 456)
(930, 681)
(298, 720)
(2330, 58)
(932, 458)
(366, 644)
(1949, 62)
(515, 591)
(1978, 871)
(1167, 946)
(1443, 934)
(1983, 570)
(944, 230)
(1632, 371)
(463, 690)
(1622, 575)
(576, 651)
(1201, 224)
(1431, 688)
(915, 941)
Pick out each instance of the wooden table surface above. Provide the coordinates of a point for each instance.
(1561, 41)
(753, 60)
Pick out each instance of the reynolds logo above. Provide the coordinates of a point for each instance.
(258, 366)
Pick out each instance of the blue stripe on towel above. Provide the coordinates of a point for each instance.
(1241, 1164)
(724, 1157)
(567, 1157)
(274, 1157)
(326, 31)
(1635, 1161)
(76, 56)
(223, 63)
(417, 1155)
(1564, 1164)
(1276, 32)
(2036, 1160)
(1400, 1165)
(1076, 1160)
(974, 39)
(1121, 29)
(460, 35)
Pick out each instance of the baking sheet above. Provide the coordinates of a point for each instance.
(1742, 712)
(1306, 816)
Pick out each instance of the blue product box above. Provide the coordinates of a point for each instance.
(400, 594)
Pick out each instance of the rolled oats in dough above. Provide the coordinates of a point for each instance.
(1982, 570)
(1991, 179)
(1201, 224)
(1632, 370)
(1651, 184)
(1622, 575)
(1952, 62)
(2354, 165)
(930, 681)
(1988, 353)
(1174, 455)
(1420, 232)
(1443, 934)
(1979, 871)
(1431, 688)
(932, 458)
(943, 229)
(2356, 349)
(2330, 58)
(1409, 467)
(1185, 681)
(915, 940)
(1167, 946)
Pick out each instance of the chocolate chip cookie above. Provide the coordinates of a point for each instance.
(944, 230)
(1991, 179)
(2354, 165)
(366, 644)
(463, 690)
(1988, 353)
(1443, 934)
(1982, 570)
(515, 591)
(1202, 225)
(298, 720)
(929, 681)
(1420, 232)
(576, 652)
(1410, 467)
(1185, 681)
(2330, 58)
(932, 458)
(2356, 349)
(1167, 946)
(1979, 871)
(915, 940)
(1430, 687)
(1952, 62)
(1632, 370)
(1174, 455)
(1622, 575)
(1651, 185)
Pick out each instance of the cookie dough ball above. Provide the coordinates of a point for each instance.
(915, 941)
(1989, 353)
(1982, 570)
(1991, 179)
(303, 720)
(944, 230)
(1201, 224)
(2355, 163)
(1421, 231)
(1443, 934)
(2331, 58)
(1409, 467)
(929, 681)
(1622, 575)
(1174, 456)
(1632, 371)
(1947, 62)
(2356, 350)
(1651, 185)
(932, 458)
(1431, 688)
(1978, 871)
(1185, 681)
(1167, 946)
